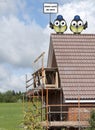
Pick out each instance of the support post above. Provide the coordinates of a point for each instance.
(61, 104)
(79, 111)
(26, 91)
(42, 107)
(47, 108)
(23, 103)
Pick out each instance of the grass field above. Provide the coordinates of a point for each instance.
(11, 115)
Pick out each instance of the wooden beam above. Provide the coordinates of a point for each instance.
(79, 111)
(56, 79)
(61, 105)
(42, 107)
(73, 105)
(47, 108)
(63, 124)
(39, 57)
(29, 80)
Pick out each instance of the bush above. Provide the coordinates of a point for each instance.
(92, 121)
(32, 117)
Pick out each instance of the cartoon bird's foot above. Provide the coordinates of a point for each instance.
(59, 32)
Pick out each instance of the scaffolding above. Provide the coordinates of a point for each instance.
(57, 114)
(44, 92)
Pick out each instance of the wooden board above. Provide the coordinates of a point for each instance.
(66, 123)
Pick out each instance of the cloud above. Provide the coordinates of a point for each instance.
(84, 8)
(21, 41)
(20, 44)
(13, 82)
(3, 72)
(8, 7)
(17, 83)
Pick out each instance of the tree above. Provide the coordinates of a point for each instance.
(92, 121)
(10, 96)
(31, 118)
(1, 97)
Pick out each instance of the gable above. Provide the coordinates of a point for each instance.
(75, 59)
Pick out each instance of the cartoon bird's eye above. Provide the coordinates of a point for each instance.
(74, 23)
(56, 23)
(63, 23)
(80, 23)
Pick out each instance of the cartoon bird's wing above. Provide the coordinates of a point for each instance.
(51, 25)
(70, 28)
(86, 25)
(66, 27)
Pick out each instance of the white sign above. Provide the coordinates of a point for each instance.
(50, 8)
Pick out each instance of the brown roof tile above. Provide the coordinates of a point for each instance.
(75, 58)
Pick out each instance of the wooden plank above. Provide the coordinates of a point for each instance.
(72, 105)
(68, 112)
(27, 86)
(56, 79)
(43, 75)
(50, 85)
(29, 80)
(66, 123)
(39, 57)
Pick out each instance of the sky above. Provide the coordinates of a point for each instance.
(25, 34)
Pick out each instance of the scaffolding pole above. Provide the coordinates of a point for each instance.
(61, 105)
(47, 108)
(42, 107)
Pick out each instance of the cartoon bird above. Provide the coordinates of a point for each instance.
(77, 25)
(59, 25)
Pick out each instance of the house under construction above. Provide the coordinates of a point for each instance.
(67, 86)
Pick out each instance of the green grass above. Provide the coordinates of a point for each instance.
(11, 115)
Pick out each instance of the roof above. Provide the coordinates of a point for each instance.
(74, 55)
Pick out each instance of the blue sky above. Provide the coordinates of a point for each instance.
(25, 33)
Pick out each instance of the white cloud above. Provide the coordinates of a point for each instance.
(17, 83)
(3, 72)
(8, 7)
(13, 82)
(21, 43)
(84, 8)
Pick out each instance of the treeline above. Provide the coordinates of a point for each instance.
(11, 96)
